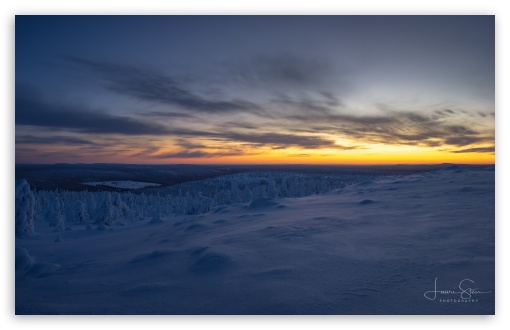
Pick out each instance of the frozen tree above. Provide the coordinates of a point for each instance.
(157, 218)
(24, 208)
(300, 188)
(90, 201)
(259, 191)
(120, 208)
(156, 205)
(106, 214)
(235, 193)
(143, 205)
(69, 209)
(54, 215)
(204, 204)
(247, 195)
(221, 197)
(82, 215)
(272, 192)
(190, 206)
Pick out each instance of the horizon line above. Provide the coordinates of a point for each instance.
(263, 164)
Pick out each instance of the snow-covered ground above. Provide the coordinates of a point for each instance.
(375, 247)
(123, 184)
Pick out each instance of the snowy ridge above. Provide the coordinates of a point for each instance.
(373, 247)
(195, 197)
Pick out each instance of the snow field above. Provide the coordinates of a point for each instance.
(373, 247)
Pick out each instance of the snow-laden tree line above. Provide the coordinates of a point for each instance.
(196, 197)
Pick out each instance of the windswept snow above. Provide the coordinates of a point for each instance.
(373, 247)
(123, 184)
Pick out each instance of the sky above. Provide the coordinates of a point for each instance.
(255, 89)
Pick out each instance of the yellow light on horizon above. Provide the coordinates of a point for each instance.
(370, 155)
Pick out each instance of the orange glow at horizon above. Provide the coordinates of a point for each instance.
(338, 159)
(365, 154)
(369, 155)
(348, 157)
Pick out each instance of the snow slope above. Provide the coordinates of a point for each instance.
(371, 248)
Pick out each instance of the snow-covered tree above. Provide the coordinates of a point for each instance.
(82, 215)
(272, 192)
(106, 214)
(90, 200)
(259, 191)
(235, 193)
(222, 198)
(120, 208)
(247, 195)
(200, 196)
(24, 208)
(54, 215)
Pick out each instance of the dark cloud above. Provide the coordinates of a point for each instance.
(289, 68)
(459, 130)
(155, 87)
(147, 151)
(392, 127)
(65, 140)
(483, 149)
(445, 112)
(331, 100)
(285, 70)
(32, 111)
(197, 154)
(35, 112)
(431, 135)
(310, 107)
(273, 140)
(169, 114)
(281, 141)
(462, 140)
(339, 118)
(190, 145)
(182, 154)
(237, 125)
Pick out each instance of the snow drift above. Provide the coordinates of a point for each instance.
(372, 247)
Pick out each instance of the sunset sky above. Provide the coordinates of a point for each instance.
(255, 89)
